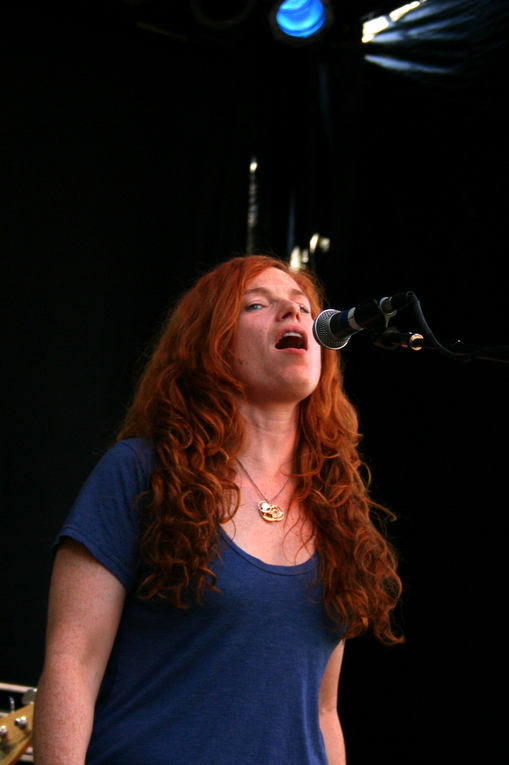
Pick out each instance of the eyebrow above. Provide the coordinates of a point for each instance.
(269, 293)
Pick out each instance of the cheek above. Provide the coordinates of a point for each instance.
(252, 340)
(319, 366)
(317, 357)
(247, 344)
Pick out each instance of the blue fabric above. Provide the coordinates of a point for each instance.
(232, 682)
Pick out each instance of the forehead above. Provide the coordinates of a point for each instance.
(275, 280)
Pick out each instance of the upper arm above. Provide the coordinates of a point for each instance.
(85, 605)
(329, 686)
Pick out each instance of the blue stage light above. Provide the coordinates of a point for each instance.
(301, 18)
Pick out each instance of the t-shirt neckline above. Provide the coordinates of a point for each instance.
(299, 569)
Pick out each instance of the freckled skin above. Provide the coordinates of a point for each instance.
(274, 303)
(86, 600)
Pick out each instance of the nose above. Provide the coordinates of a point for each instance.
(288, 309)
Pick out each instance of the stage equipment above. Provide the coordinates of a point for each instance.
(300, 21)
(221, 15)
(333, 329)
(16, 723)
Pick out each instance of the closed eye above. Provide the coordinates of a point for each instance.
(305, 309)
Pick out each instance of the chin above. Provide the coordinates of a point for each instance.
(297, 393)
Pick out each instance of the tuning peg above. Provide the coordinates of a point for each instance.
(21, 722)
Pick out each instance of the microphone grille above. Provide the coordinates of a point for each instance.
(322, 333)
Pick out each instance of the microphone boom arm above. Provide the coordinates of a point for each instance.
(333, 329)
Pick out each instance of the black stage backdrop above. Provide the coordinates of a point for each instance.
(125, 174)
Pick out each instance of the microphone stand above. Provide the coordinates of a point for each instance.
(390, 338)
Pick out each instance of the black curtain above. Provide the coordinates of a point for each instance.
(126, 172)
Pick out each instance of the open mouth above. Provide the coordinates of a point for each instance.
(291, 340)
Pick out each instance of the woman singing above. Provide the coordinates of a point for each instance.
(221, 552)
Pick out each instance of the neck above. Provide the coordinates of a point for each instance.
(270, 438)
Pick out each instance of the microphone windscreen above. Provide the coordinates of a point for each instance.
(322, 333)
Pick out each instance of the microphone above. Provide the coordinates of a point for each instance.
(333, 329)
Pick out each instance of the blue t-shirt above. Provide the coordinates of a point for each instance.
(234, 681)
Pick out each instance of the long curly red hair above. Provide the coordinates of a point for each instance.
(186, 405)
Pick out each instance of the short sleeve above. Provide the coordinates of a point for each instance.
(105, 516)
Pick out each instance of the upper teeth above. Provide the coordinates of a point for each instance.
(292, 334)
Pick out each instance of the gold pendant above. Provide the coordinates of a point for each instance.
(270, 512)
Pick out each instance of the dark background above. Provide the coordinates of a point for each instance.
(125, 174)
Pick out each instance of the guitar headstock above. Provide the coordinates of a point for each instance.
(15, 734)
